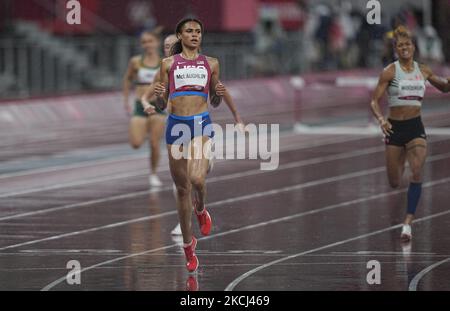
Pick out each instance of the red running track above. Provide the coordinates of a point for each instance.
(312, 224)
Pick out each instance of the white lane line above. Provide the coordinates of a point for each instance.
(253, 172)
(217, 203)
(84, 164)
(62, 252)
(74, 233)
(384, 253)
(287, 148)
(65, 251)
(94, 163)
(76, 183)
(168, 266)
(415, 281)
(242, 277)
(438, 131)
(254, 226)
(213, 204)
(75, 205)
(289, 165)
(357, 130)
(210, 180)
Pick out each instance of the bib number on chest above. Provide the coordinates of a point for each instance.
(411, 89)
(149, 76)
(191, 77)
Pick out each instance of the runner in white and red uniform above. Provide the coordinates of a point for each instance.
(405, 138)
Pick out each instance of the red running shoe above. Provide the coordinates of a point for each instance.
(191, 258)
(192, 284)
(204, 220)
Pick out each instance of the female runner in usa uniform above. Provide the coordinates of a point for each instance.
(169, 41)
(190, 78)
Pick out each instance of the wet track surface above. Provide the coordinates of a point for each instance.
(311, 224)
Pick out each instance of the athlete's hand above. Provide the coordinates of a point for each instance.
(160, 89)
(148, 109)
(127, 107)
(386, 127)
(220, 89)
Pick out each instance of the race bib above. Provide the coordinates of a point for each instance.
(147, 75)
(191, 77)
(411, 89)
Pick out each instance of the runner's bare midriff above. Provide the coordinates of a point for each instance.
(404, 112)
(188, 105)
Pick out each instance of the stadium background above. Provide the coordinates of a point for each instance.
(71, 187)
(41, 54)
